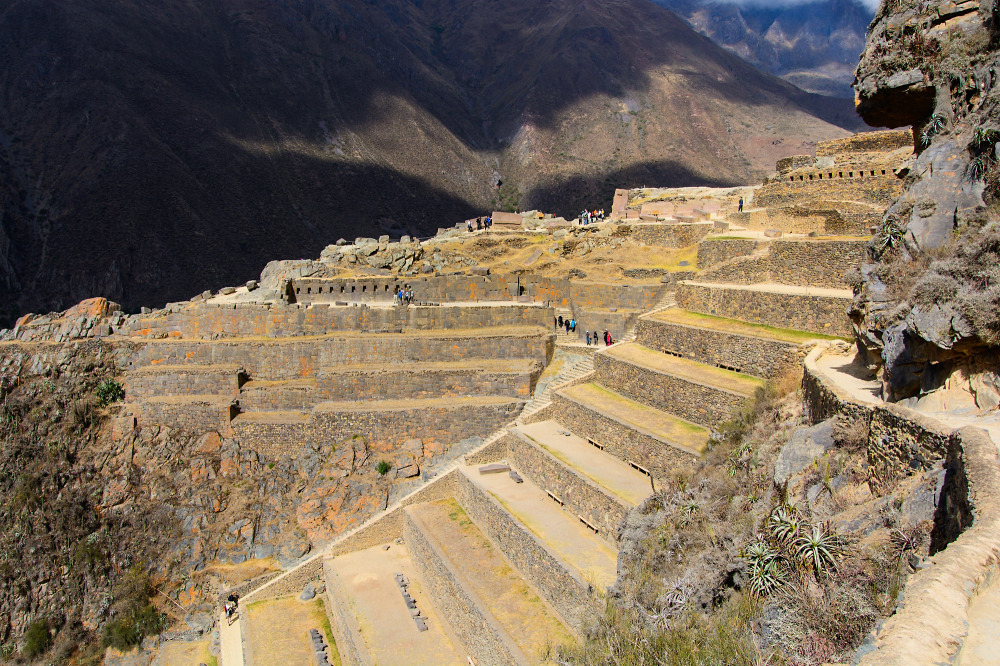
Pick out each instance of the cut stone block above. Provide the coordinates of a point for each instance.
(772, 233)
(494, 468)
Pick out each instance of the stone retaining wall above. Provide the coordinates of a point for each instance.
(477, 630)
(668, 235)
(297, 358)
(754, 356)
(386, 383)
(209, 321)
(819, 314)
(580, 496)
(620, 440)
(618, 324)
(802, 263)
(196, 416)
(384, 429)
(140, 386)
(571, 596)
(714, 251)
(586, 295)
(346, 632)
(685, 398)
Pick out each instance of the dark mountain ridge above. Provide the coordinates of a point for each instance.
(149, 151)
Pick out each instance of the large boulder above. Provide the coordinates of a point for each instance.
(92, 307)
(278, 272)
(804, 447)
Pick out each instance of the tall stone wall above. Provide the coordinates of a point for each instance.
(384, 428)
(668, 235)
(388, 383)
(477, 629)
(148, 384)
(197, 415)
(570, 596)
(717, 250)
(303, 357)
(690, 400)
(620, 440)
(880, 188)
(615, 323)
(760, 357)
(795, 262)
(579, 496)
(818, 314)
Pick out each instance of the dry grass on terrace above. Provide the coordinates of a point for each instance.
(642, 417)
(712, 322)
(688, 369)
(277, 630)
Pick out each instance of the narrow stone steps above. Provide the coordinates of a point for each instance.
(469, 567)
(583, 366)
(377, 626)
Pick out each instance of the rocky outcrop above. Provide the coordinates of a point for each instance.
(924, 308)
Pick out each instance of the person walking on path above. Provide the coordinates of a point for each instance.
(566, 323)
(740, 206)
(572, 325)
(588, 338)
(560, 321)
(555, 323)
(606, 338)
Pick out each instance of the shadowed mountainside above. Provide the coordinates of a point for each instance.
(149, 151)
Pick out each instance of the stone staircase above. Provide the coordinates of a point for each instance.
(582, 365)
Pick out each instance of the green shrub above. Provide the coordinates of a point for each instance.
(37, 639)
(109, 391)
(383, 467)
(128, 630)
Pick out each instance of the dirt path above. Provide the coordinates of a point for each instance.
(230, 642)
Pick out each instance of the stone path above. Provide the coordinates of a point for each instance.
(566, 536)
(982, 646)
(390, 634)
(612, 474)
(735, 326)
(230, 641)
(775, 288)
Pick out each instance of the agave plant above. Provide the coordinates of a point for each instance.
(784, 525)
(889, 237)
(933, 127)
(905, 541)
(984, 139)
(979, 167)
(765, 577)
(758, 551)
(742, 450)
(818, 548)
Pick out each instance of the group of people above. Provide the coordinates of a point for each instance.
(403, 297)
(588, 216)
(608, 341)
(481, 223)
(230, 606)
(570, 326)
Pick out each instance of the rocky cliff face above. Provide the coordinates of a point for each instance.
(927, 311)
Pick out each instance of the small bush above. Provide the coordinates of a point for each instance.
(81, 413)
(109, 391)
(128, 631)
(852, 434)
(37, 639)
(383, 467)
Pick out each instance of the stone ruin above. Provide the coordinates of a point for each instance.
(513, 451)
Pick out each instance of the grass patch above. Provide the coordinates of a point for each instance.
(324, 622)
(716, 323)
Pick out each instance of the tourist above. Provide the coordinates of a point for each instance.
(595, 338)
(572, 325)
(468, 224)
(567, 326)
(588, 338)
(555, 323)
(740, 206)
(560, 321)
(606, 339)
(479, 224)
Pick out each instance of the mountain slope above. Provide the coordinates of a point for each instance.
(149, 151)
(814, 45)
